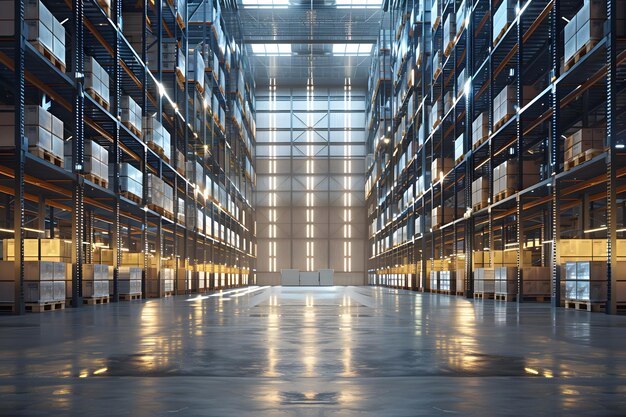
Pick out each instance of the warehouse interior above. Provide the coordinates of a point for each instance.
(323, 207)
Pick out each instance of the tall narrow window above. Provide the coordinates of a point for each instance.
(347, 179)
(272, 180)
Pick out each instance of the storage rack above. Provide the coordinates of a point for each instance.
(222, 245)
(558, 207)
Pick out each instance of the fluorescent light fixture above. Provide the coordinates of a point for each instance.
(352, 49)
(597, 229)
(271, 49)
(28, 229)
(511, 244)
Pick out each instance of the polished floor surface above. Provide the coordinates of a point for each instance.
(340, 351)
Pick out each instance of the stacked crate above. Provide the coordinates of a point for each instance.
(195, 174)
(436, 64)
(536, 281)
(160, 195)
(461, 13)
(42, 129)
(505, 280)
(434, 281)
(96, 279)
(44, 282)
(504, 105)
(484, 281)
(449, 33)
(502, 19)
(441, 216)
(446, 278)
(129, 280)
(460, 83)
(131, 115)
(585, 281)
(439, 167)
(51, 250)
(180, 162)
(180, 210)
(45, 32)
(131, 181)
(480, 193)
(448, 102)
(584, 30)
(505, 177)
(157, 137)
(480, 129)
(96, 162)
(583, 145)
(97, 81)
(195, 70)
(159, 286)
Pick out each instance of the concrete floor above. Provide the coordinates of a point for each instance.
(354, 351)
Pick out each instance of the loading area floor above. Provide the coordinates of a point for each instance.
(336, 351)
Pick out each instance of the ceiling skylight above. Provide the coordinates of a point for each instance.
(352, 49)
(271, 49)
(265, 4)
(359, 4)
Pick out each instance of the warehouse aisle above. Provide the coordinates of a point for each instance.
(339, 351)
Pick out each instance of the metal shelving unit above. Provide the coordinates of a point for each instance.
(63, 199)
(552, 202)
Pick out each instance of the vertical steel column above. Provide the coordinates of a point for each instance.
(467, 146)
(144, 162)
(612, 159)
(116, 152)
(555, 137)
(78, 153)
(20, 160)
(520, 159)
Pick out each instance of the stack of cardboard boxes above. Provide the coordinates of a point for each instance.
(97, 79)
(586, 27)
(131, 115)
(44, 29)
(131, 180)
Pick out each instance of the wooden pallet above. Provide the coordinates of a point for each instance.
(437, 73)
(133, 129)
(180, 21)
(99, 99)
(47, 156)
(459, 293)
(168, 293)
(476, 144)
(7, 307)
(501, 34)
(97, 180)
(448, 48)
(437, 123)
(479, 206)
(502, 195)
(199, 87)
(525, 298)
(502, 121)
(580, 54)
(484, 295)
(48, 306)
(436, 22)
(131, 197)
(581, 158)
(105, 7)
(180, 78)
(130, 297)
(43, 50)
(158, 150)
(584, 305)
(92, 301)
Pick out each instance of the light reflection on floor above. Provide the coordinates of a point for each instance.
(334, 351)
